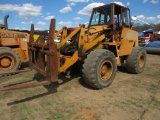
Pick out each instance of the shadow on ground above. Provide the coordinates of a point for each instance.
(52, 87)
(24, 65)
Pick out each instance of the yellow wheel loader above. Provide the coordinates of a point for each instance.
(106, 43)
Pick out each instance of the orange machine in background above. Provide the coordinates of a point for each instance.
(13, 48)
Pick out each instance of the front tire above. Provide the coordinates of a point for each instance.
(9, 60)
(99, 68)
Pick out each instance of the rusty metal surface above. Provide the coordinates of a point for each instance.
(27, 85)
(14, 72)
(43, 56)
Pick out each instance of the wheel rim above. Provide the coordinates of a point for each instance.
(106, 70)
(6, 62)
(141, 61)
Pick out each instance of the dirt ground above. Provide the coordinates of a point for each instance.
(129, 97)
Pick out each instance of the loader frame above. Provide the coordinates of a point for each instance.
(46, 58)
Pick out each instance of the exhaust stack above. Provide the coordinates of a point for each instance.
(6, 22)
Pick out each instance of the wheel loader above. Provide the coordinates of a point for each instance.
(13, 48)
(107, 42)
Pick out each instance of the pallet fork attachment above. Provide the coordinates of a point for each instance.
(43, 58)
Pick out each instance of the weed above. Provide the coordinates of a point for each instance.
(153, 87)
(59, 116)
(48, 118)
(155, 102)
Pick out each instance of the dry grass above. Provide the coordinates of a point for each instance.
(129, 97)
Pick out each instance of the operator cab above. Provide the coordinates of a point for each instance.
(101, 15)
(112, 14)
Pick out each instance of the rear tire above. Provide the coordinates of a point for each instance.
(136, 61)
(9, 60)
(99, 68)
